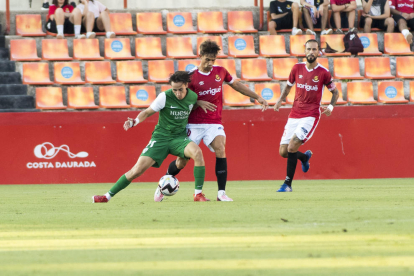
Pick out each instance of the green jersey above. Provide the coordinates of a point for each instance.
(173, 117)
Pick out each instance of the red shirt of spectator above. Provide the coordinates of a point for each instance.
(341, 2)
(404, 6)
(53, 8)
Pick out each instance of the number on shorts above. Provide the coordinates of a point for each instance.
(151, 144)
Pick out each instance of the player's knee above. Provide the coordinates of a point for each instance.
(181, 163)
(272, 25)
(91, 16)
(295, 6)
(198, 155)
(389, 21)
(220, 151)
(283, 152)
(368, 21)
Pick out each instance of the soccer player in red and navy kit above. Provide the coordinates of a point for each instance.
(204, 122)
(309, 78)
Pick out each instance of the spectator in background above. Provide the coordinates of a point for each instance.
(64, 19)
(95, 18)
(403, 14)
(315, 15)
(285, 15)
(376, 14)
(45, 5)
(343, 15)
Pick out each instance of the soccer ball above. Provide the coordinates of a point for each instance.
(169, 185)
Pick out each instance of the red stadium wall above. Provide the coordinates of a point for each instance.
(355, 142)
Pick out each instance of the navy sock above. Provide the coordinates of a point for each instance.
(291, 167)
(302, 157)
(172, 169)
(221, 173)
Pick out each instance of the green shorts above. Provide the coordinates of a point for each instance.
(159, 147)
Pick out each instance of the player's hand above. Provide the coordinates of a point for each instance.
(129, 123)
(326, 111)
(277, 105)
(263, 102)
(207, 106)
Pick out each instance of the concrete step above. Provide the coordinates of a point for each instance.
(10, 78)
(19, 110)
(17, 101)
(4, 54)
(7, 66)
(13, 89)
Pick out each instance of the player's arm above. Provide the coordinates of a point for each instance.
(282, 97)
(335, 95)
(205, 106)
(242, 89)
(139, 119)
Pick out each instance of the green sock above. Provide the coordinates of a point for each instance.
(121, 184)
(199, 174)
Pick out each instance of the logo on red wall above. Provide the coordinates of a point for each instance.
(48, 151)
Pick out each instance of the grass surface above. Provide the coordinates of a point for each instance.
(335, 227)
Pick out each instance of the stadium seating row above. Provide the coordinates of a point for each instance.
(151, 23)
(141, 96)
(99, 72)
(181, 47)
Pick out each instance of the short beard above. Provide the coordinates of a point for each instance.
(310, 59)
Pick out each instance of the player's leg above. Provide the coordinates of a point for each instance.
(351, 20)
(76, 19)
(143, 164)
(104, 23)
(194, 152)
(219, 147)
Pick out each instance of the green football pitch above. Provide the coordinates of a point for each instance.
(330, 227)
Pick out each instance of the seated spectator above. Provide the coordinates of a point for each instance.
(315, 15)
(45, 5)
(95, 18)
(343, 15)
(64, 19)
(285, 15)
(403, 13)
(376, 14)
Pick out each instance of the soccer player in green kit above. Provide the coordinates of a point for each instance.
(169, 136)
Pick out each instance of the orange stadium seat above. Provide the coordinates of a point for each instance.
(346, 68)
(233, 98)
(165, 87)
(121, 23)
(55, 49)
(217, 39)
(86, 49)
(336, 42)
(118, 48)
(396, 45)
(327, 95)
(29, 25)
(405, 69)
(36, 73)
(180, 23)
(370, 43)
(230, 66)
(324, 62)
(254, 69)
(49, 98)
(98, 72)
(359, 20)
(150, 23)
(67, 73)
(240, 22)
(282, 67)
(180, 47)
(291, 96)
(297, 44)
(391, 92)
(23, 50)
(159, 71)
(129, 72)
(378, 68)
(81, 98)
(241, 46)
(148, 48)
(210, 22)
(142, 95)
(112, 97)
(269, 91)
(272, 46)
(360, 92)
(188, 64)
(411, 91)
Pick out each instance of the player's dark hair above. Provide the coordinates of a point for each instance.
(180, 76)
(209, 47)
(55, 2)
(313, 40)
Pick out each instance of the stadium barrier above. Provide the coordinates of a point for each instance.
(92, 147)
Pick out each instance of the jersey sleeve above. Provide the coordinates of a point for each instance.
(292, 76)
(328, 81)
(159, 102)
(227, 77)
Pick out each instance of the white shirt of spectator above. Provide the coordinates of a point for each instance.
(96, 7)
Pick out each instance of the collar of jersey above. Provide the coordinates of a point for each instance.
(205, 74)
(317, 65)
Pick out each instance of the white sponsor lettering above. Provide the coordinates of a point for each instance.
(212, 91)
(405, 5)
(49, 165)
(307, 87)
(201, 83)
